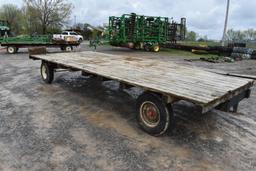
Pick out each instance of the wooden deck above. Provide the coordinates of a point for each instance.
(201, 87)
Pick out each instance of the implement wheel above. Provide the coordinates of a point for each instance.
(11, 49)
(153, 115)
(147, 47)
(47, 72)
(156, 48)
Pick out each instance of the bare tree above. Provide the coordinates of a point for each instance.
(50, 13)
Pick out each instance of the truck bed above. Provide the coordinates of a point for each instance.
(189, 83)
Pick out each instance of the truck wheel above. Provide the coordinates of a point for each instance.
(156, 48)
(80, 40)
(11, 49)
(68, 48)
(153, 115)
(47, 72)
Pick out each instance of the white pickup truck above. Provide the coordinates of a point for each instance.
(68, 34)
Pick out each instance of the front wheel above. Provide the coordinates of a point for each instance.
(47, 72)
(153, 115)
(11, 49)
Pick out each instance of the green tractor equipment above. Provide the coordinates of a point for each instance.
(4, 28)
(144, 32)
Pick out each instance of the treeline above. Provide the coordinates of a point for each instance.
(241, 35)
(232, 36)
(36, 16)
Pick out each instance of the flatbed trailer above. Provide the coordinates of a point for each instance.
(13, 44)
(163, 83)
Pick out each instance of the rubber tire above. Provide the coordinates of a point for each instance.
(11, 49)
(156, 48)
(49, 72)
(80, 40)
(147, 47)
(67, 48)
(166, 114)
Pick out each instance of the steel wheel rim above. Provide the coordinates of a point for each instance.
(11, 50)
(68, 49)
(44, 72)
(149, 114)
(156, 48)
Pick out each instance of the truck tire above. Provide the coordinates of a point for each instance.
(68, 48)
(47, 72)
(153, 115)
(11, 49)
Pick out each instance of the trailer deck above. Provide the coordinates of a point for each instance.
(13, 44)
(176, 82)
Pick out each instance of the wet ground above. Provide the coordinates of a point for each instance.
(80, 123)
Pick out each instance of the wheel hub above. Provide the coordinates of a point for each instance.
(11, 50)
(150, 114)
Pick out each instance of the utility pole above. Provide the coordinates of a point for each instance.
(226, 24)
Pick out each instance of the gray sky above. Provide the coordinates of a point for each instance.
(206, 17)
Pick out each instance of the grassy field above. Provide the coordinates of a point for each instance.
(212, 43)
(182, 53)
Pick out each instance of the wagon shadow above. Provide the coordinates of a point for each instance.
(106, 96)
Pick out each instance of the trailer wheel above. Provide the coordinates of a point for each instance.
(153, 115)
(47, 72)
(11, 49)
(68, 48)
(156, 48)
(147, 47)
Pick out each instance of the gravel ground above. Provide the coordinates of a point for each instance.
(79, 123)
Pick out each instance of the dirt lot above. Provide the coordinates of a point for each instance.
(80, 123)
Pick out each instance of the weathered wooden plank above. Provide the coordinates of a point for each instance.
(183, 82)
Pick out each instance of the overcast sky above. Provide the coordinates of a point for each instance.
(206, 17)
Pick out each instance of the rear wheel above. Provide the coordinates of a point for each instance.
(147, 47)
(156, 48)
(11, 49)
(47, 72)
(68, 48)
(153, 115)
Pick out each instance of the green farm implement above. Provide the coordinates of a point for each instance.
(14, 43)
(144, 32)
(4, 28)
